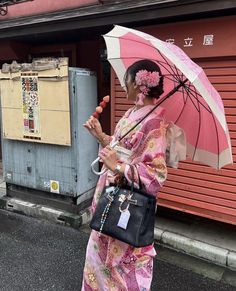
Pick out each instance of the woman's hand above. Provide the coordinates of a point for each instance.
(109, 158)
(94, 127)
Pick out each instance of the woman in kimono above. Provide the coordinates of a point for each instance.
(111, 264)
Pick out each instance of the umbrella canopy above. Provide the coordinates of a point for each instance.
(193, 104)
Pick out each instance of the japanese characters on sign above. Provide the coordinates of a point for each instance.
(208, 40)
(188, 42)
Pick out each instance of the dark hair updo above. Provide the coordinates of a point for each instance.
(150, 66)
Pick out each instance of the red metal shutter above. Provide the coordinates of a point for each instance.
(193, 187)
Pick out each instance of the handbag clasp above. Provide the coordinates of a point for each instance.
(123, 198)
(133, 201)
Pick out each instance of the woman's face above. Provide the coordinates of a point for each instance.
(132, 89)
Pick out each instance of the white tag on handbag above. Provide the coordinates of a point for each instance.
(124, 219)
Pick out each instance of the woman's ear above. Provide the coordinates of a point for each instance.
(135, 85)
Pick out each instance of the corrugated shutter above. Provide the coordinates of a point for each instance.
(195, 188)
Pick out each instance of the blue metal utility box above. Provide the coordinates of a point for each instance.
(61, 170)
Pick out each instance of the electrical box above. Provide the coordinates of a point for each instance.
(56, 155)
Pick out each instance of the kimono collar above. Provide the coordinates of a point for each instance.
(138, 114)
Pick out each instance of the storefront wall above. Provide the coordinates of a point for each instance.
(196, 188)
(193, 188)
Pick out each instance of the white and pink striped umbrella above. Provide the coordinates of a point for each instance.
(192, 103)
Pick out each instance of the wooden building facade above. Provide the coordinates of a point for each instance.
(204, 29)
(193, 187)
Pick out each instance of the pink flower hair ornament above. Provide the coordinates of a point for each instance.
(146, 80)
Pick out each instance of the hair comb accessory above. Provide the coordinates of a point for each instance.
(148, 79)
(145, 80)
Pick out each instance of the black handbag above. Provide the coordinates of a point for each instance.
(126, 213)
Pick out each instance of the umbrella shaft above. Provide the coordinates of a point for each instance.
(157, 104)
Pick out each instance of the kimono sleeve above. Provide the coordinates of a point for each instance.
(150, 164)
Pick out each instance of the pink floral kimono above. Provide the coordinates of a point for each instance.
(112, 265)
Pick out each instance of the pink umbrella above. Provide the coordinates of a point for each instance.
(194, 105)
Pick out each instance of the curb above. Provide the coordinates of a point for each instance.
(44, 212)
(181, 243)
(196, 248)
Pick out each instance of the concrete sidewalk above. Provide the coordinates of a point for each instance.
(40, 256)
(206, 240)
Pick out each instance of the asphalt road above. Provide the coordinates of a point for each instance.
(37, 255)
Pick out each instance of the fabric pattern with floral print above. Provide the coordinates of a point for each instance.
(111, 264)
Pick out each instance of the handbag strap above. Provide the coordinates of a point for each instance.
(139, 180)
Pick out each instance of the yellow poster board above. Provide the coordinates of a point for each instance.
(35, 104)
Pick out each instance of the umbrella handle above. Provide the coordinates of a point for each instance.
(112, 145)
(94, 171)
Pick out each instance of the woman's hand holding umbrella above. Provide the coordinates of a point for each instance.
(109, 158)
